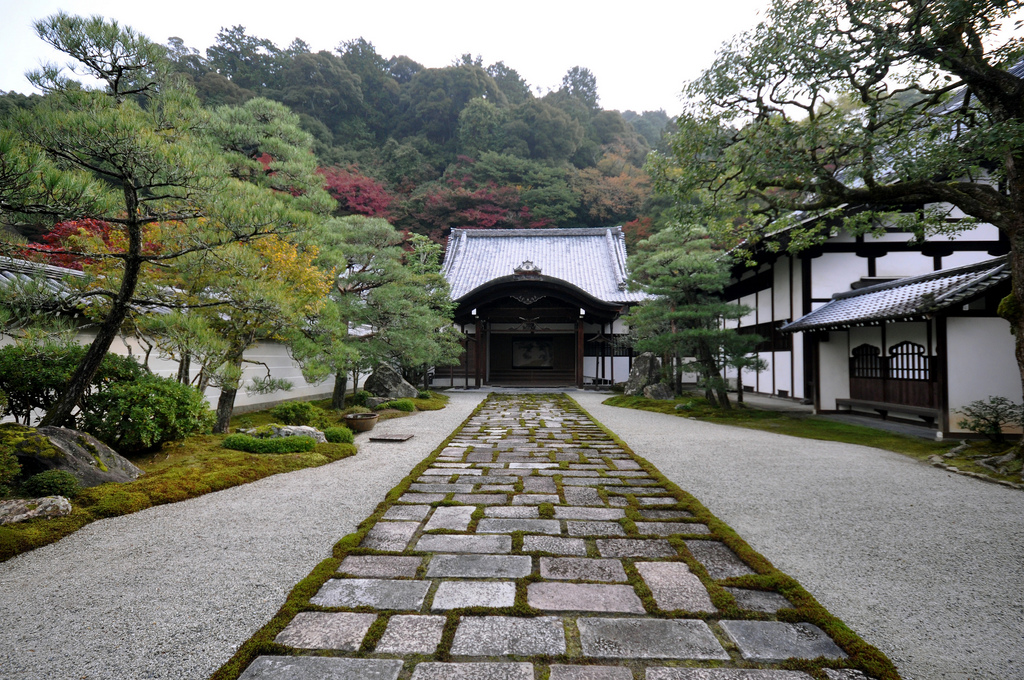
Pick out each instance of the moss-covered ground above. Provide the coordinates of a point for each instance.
(183, 470)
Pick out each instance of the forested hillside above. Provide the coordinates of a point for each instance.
(435, 148)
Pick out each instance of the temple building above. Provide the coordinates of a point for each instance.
(539, 307)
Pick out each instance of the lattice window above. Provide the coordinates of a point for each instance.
(907, 361)
(866, 362)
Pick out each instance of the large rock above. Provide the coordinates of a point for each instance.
(388, 382)
(57, 448)
(298, 431)
(659, 391)
(22, 509)
(646, 371)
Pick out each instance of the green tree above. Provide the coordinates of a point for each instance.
(862, 103)
(685, 319)
(142, 156)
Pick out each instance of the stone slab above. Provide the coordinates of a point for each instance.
(718, 559)
(479, 566)
(844, 674)
(594, 528)
(674, 586)
(504, 488)
(759, 600)
(635, 547)
(326, 630)
(576, 512)
(459, 594)
(554, 545)
(583, 597)
(464, 544)
(570, 473)
(504, 526)
(582, 569)
(421, 497)
(368, 592)
(541, 484)
(381, 566)
(777, 641)
(648, 639)
(581, 496)
(669, 528)
(390, 536)
(449, 517)
(626, 464)
(441, 488)
(513, 512)
(509, 635)
(534, 499)
(655, 673)
(665, 514)
(590, 673)
(584, 481)
(480, 498)
(657, 501)
(533, 466)
(473, 671)
(410, 634)
(321, 668)
(416, 513)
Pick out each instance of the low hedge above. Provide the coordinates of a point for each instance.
(249, 444)
(406, 405)
(339, 435)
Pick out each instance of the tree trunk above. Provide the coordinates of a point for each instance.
(60, 414)
(340, 386)
(1017, 318)
(185, 368)
(739, 385)
(225, 407)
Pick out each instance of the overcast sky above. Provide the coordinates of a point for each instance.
(640, 52)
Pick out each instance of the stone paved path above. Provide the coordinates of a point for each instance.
(534, 547)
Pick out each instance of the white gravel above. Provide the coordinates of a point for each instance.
(171, 592)
(926, 565)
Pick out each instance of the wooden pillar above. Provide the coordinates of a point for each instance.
(942, 369)
(579, 353)
(479, 351)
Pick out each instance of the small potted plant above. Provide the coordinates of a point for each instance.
(361, 422)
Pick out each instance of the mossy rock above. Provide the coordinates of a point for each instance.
(56, 448)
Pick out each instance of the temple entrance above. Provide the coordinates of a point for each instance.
(540, 360)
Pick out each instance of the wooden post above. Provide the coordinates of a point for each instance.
(579, 352)
(942, 369)
(479, 351)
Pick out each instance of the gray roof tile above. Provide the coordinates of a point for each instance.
(591, 259)
(904, 299)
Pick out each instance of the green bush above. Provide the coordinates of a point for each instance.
(360, 397)
(339, 435)
(33, 377)
(52, 483)
(244, 442)
(423, 394)
(10, 468)
(300, 413)
(142, 415)
(988, 417)
(401, 405)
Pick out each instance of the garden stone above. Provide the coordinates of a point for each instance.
(590, 673)
(459, 594)
(369, 592)
(326, 630)
(554, 545)
(298, 431)
(507, 636)
(473, 671)
(582, 569)
(659, 391)
(21, 509)
(411, 634)
(58, 448)
(388, 382)
(374, 403)
(718, 559)
(584, 597)
(777, 641)
(726, 674)
(380, 566)
(479, 566)
(674, 586)
(649, 639)
(759, 600)
(321, 668)
(646, 370)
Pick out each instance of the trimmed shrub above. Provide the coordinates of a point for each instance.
(988, 417)
(300, 413)
(52, 483)
(143, 415)
(360, 397)
(339, 435)
(401, 405)
(244, 442)
(10, 468)
(423, 394)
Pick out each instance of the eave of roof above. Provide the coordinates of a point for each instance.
(915, 297)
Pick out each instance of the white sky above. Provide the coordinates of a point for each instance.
(640, 52)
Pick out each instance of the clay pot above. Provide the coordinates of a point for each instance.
(361, 422)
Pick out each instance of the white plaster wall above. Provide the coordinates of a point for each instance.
(908, 331)
(963, 258)
(903, 264)
(835, 370)
(980, 232)
(865, 335)
(783, 361)
(780, 291)
(762, 380)
(981, 363)
(889, 237)
(764, 305)
(798, 367)
(834, 272)
(750, 302)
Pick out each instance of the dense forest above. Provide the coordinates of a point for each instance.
(429, 149)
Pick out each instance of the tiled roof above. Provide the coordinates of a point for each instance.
(591, 259)
(51, 277)
(904, 299)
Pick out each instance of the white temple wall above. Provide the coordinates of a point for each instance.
(981, 364)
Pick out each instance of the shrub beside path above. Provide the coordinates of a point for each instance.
(170, 592)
